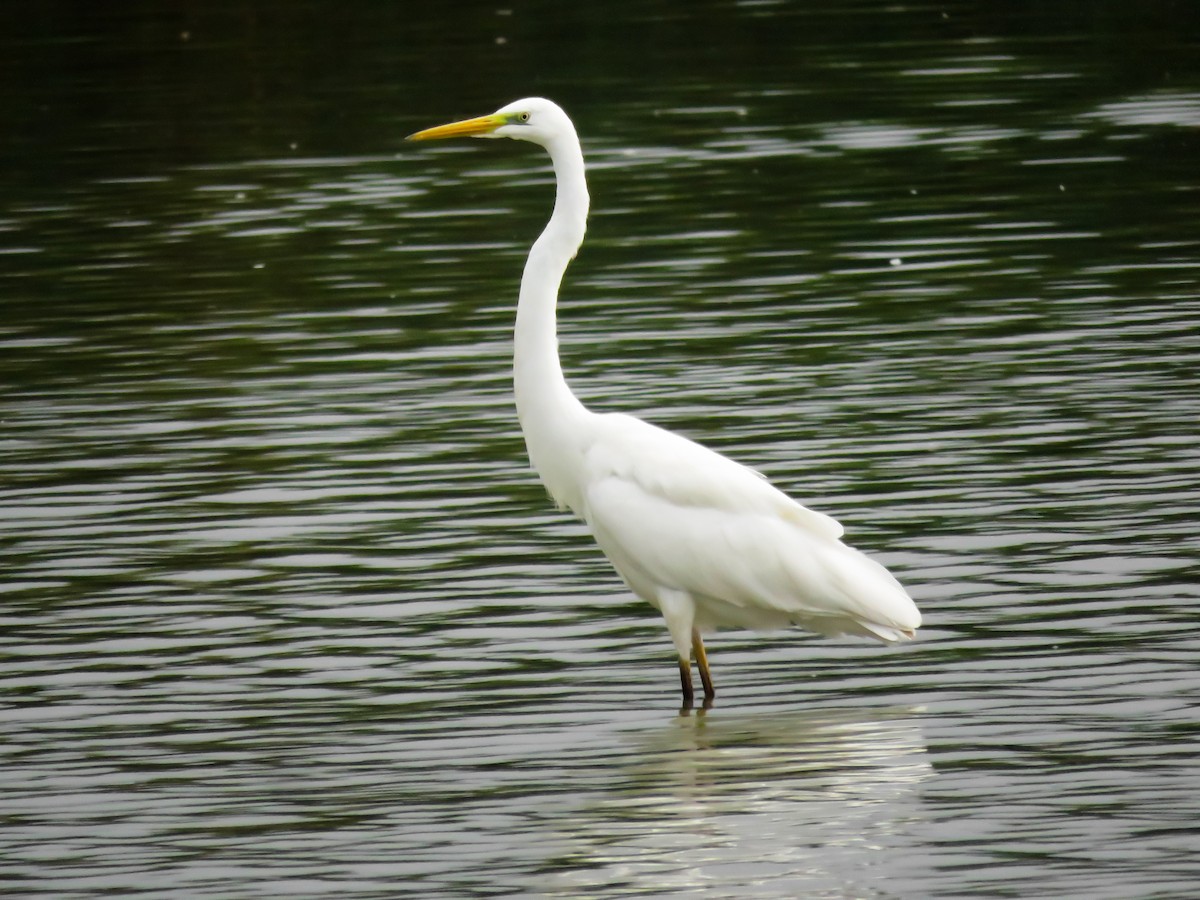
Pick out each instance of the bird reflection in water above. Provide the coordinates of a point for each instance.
(698, 804)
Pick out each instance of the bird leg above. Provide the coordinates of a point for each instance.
(685, 680)
(702, 665)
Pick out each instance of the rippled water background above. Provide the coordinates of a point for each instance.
(284, 613)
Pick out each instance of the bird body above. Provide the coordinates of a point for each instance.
(707, 541)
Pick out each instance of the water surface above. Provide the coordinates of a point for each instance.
(284, 610)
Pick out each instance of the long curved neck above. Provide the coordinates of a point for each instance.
(551, 416)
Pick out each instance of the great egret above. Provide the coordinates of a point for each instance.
(705, 540)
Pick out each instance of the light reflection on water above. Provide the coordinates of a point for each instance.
(794, 798)
(285, 613)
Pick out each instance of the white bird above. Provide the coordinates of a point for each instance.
(705, 540)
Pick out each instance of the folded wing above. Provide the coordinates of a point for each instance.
(671, 514)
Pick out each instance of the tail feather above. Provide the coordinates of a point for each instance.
(888, 633)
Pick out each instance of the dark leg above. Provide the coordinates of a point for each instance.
(685, 679)
(702, 665)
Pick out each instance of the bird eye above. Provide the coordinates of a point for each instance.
(524, 117)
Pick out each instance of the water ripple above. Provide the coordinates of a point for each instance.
(285, 613)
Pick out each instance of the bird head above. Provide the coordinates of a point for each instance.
(532, 119)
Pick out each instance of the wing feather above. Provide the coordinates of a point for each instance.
(688, 474)
(672, 514)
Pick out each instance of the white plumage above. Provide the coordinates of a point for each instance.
(707, 541)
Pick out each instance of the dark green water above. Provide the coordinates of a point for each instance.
(284, 613)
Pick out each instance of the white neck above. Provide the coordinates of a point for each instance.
(552, 418)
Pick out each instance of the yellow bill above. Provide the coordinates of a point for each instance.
(465, 128)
